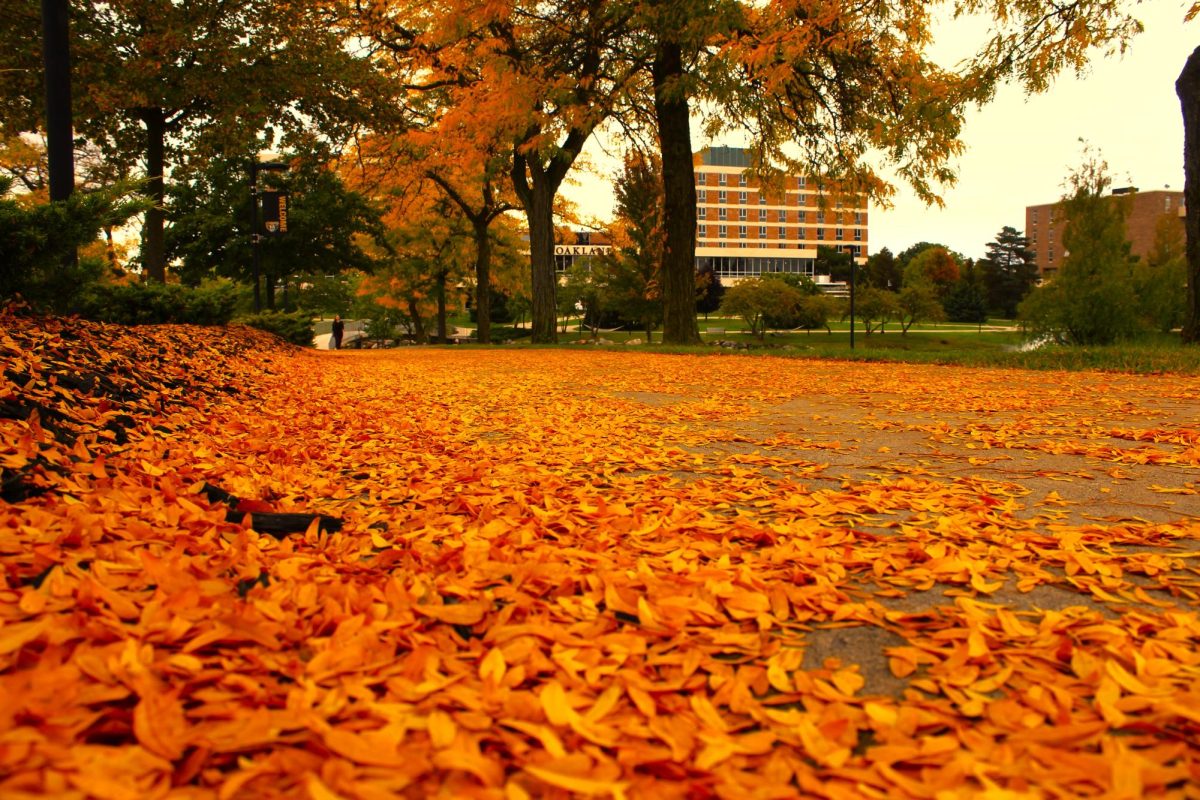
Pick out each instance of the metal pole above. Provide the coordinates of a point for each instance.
(853, 265)
(254, 233)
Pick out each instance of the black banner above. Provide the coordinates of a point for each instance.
(274, 213)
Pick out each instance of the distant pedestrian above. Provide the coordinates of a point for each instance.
(339, 328)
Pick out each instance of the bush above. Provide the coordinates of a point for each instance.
(156, 304)
(296, 327)
(39, 243)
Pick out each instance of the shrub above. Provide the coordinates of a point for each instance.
(295, 327)
(156, 304)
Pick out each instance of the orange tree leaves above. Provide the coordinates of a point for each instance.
(589, 574)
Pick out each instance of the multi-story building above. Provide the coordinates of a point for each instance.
(744, 229)
(1044, 224)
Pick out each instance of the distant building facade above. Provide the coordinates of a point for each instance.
(586, 248)
(744, 230)
(1044, 224)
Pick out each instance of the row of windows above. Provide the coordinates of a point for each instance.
(781, 215)
(839, 234)
(702, 179)
(743, 198)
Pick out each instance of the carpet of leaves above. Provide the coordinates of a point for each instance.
(582, 574)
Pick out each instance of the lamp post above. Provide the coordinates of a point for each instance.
(853, 263)
(257, 166)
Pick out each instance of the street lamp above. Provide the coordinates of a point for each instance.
(257, 166)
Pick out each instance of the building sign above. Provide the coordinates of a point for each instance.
(581, 249)
(274, 213)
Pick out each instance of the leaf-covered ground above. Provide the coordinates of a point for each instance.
(578, 573)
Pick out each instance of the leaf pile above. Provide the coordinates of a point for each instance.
(604, 575)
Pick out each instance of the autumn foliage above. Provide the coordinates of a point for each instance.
(590, 574)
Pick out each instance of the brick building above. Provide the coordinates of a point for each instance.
(1043, 224)
(743, 230)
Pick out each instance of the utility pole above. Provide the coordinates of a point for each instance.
(853, 267)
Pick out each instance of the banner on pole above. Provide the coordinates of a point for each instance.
(274, 213)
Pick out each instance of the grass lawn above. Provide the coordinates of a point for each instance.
(994, 344)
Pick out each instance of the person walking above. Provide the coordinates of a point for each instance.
(339, 328)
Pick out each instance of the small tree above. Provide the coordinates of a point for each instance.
(1161, 278)
(629, 276)
(875, 307)
(918, 303)
(1091, 300)
(757, 299)
(709, 290)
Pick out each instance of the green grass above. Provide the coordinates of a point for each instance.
(944, 343)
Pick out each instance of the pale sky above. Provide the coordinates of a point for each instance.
(1020, 150)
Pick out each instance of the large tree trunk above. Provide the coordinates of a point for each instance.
(56, 59)
(679, 187)
(441, 307)
(483, 282)
(269, 283)
(414, 312)
(154, 257)
(1188, 89)
(539, 211)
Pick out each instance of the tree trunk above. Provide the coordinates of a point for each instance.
(154, 258)
(483, 282)
(1188, 89)
(539, 212)
(269, 283)
(443, 337)
(56, 60)
(418, 327)
(679, 188)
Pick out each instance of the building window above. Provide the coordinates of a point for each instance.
(802, 199)
(703, 232)
(762, 214)
(722, 197)
(741, 197)
(722, 212)
(857, 218)
(742, 179)
(801, 216)
(820, 216)
(762, 232)
(1168, 203)
(722, 179)
(762, 198)
(820, 234)
(1050, 255)
(702, 196)
(722, 231)
(802, 181)
(783, 233)
(741, 231)
(839, 234)
(741, 213)
(838, 218)
(858, 234)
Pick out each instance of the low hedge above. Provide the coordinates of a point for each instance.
(156, 304)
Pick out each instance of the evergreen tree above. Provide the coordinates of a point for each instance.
(1009, 271)
(967, 299)
(882, 270)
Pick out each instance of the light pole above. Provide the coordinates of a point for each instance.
(853, 264)
(257, 166)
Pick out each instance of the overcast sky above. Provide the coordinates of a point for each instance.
(1019, 149)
